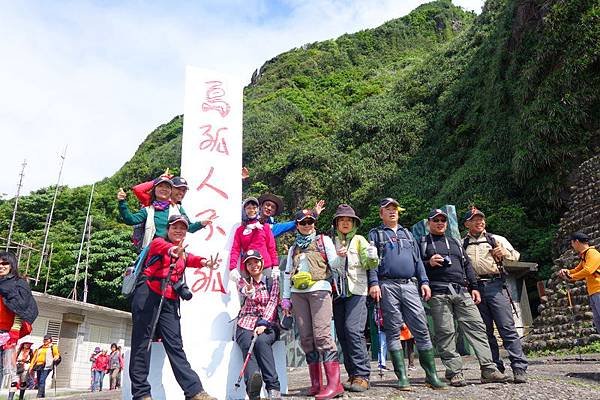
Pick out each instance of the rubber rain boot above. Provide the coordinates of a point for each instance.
(334, 386)
(314, 371)
(427, 360)
(400, 369)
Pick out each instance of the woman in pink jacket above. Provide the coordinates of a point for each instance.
(252, 235)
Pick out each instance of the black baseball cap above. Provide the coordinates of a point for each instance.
(387, 201)
(179, 218)
(435, 212)
(252, 254)
(580, 237)
(306, 213)
(179, 182)
(473, 212)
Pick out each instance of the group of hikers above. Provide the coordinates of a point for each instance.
(104, 363)
(325, 278)
(331, 277)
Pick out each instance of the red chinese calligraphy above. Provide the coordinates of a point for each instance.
(213, 143)
(208, 279)
(206, 184)
(212, 214)
(214, 99)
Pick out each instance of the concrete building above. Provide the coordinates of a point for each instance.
(78, 328)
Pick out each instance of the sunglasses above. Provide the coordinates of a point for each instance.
(436, 220)
(307, 222)
(4, 263)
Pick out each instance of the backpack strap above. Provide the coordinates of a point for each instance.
(424, 245)
(380, 243)
(491, 240)
(321, 248)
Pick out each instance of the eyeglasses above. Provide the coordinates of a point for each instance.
(4, 263)
(436, 220)
(306, 222)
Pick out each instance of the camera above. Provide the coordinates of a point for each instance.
(447, 261)
(182, 289)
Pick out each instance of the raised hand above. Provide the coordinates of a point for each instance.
(121, 195)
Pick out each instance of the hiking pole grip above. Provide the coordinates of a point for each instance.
(160, 304)
(239, 379)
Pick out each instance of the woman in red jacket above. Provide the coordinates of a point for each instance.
(18, 310)
(171, 262)
(252, 235)
(99, 368)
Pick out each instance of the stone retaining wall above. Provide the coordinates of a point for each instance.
(559, 325)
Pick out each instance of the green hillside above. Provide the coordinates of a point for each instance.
(440, 106)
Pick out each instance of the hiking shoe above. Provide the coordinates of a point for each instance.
(359, 384)
(274, 394)
(254, 386)
(203, 396)
(348, 383)
(493, 376)
(458, 380)
(520, 376)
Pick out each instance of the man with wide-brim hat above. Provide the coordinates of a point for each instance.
(272, 205)
(350, 301)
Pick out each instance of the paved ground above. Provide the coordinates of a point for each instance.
(570, 378)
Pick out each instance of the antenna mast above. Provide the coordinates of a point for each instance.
(85, 229)
(62, 163)
(12, 222)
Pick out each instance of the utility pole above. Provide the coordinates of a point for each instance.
(12, 222)
(85, 229)
(62, 163)
(87, 261)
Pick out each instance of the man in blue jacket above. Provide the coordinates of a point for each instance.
(392, 283)
(271, 206)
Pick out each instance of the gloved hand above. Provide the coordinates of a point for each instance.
(372, 251)
(234, 275)
(275, 272)
(286, 304)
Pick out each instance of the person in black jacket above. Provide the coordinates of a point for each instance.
(454, 295)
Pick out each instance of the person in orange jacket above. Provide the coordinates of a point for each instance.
(588, 269)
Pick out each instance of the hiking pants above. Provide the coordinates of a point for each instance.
(313, 313)
(350, 318)
(262, 359)
(595, 306)
(143, 307)
(495, 308)
(446, 307)
(400, 303)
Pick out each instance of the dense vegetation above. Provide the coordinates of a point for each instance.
(437, 107)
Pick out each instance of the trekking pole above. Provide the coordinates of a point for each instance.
(239, 379)
(54, 377)
(572, 314)
(378, 319)
(162, 299)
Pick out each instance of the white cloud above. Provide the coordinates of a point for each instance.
(99, 76)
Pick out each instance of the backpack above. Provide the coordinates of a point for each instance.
(131, 278)
(382, 240)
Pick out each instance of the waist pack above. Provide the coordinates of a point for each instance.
(132, 275)
(302, 280)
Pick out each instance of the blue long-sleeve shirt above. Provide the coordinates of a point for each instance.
(399, 257)
(279, 228)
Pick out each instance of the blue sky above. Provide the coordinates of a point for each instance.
(99, 76)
